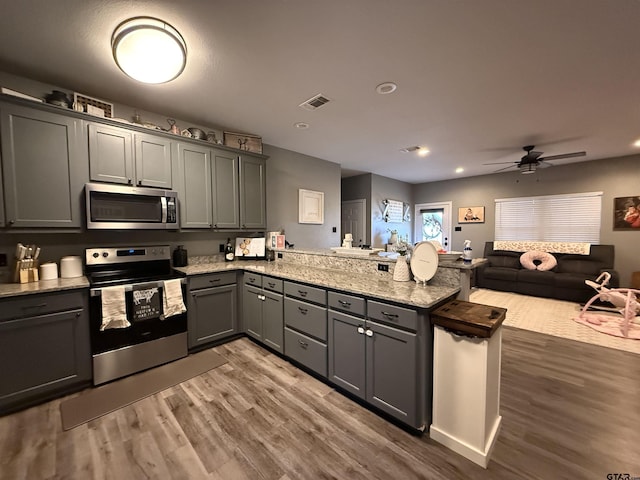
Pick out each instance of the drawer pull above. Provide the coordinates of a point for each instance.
(303, 310)
(344, 304)
(360, 330)
(389, 315)
(303, 293)
(214, 280)
(271, 284)
(252, 280)
(303, 344)
(369, 333)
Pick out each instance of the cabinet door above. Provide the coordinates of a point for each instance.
(153, 161)
(43, 354)
(347, 352)
(110, 154)
(224, 179)
(44, 168)
(273, 321)
(391, 371)
(212, 315)
(253, 210)
(252, 311)
(194, 186)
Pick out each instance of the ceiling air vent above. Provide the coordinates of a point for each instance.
(314, 102)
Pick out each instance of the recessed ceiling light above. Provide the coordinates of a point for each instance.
(459, 170)
(637, 143)
(301, 125)
(423, 151)
(386, 87)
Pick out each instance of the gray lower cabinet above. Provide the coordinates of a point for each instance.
(305, 318)
(44, 167)
(120, 155)
(262, 310)
(212, 310)
(44, 347)
(378, 361)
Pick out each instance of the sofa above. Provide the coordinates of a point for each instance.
(566, 281)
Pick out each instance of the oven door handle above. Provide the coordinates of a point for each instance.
(96, 292)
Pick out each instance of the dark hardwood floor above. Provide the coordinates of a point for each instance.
(570, 411)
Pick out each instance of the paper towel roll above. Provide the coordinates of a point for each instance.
(48, 271)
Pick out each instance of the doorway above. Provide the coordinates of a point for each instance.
(433, 223)
(353, 220)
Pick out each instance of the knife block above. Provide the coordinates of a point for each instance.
(25, 271)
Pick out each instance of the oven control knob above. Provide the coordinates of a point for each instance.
(96, 254)
(105, 254)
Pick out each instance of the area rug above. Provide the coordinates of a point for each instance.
(551, 317)
(104, 399)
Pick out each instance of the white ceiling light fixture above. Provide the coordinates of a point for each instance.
(386, 88)
(301, 125)
(527, 168)
(459, 170)
(149, 50)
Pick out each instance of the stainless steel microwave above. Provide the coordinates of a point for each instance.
(123, 207)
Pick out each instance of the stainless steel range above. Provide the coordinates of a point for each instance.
(135, 311)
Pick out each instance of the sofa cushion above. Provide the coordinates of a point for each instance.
(581, 266)
(500, 273)
(506, 261)
(537, 260)
(536, 276)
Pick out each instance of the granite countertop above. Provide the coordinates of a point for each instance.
(407, 293)
(57, 284)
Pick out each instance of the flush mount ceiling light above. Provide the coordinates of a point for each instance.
(637, 143)
(386, 88)
(422, 151)
(459, 170)
(149, 50)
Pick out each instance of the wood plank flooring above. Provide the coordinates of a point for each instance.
(570, 410)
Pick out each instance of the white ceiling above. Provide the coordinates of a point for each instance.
(477, 79)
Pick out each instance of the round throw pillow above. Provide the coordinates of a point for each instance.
(546, 260)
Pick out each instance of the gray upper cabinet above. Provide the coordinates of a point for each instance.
(253, 187)
(224, 179)
(193, 167)
(44, 164)
(119, 155)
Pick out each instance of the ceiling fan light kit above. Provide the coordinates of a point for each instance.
(530, 162)
(149, 50)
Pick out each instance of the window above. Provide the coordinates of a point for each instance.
(573, 217)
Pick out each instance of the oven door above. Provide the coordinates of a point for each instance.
(144, 313)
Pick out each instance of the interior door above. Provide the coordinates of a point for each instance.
(433, 223)
(353, 221)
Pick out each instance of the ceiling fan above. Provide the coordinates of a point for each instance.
(532, 160)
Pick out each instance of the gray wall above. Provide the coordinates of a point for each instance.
(289, 171)
(615, 177)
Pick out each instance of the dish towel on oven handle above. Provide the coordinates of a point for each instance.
(172, 303)
(114, 308)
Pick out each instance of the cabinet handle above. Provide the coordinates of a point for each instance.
(262, 297)
(369, 333)
(303, 293)
(214, 280)
(360, 330)
(272, 285)
(344, 304)
(40, 305)
(129, 181)
(139, 182)
(11, 222)
(389, 315)
(303, 310)
(303, 344)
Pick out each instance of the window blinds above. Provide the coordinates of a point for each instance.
(572, 217)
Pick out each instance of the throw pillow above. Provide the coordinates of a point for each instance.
(535, 259)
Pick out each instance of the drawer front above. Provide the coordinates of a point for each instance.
(306, 293)
(392, 315)
(212, 280)
(40, 304)
(347, 303)
(305, 350)
(305, 317)
(254, 279)
(273, 284)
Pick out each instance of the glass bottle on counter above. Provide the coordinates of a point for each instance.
(229, 251)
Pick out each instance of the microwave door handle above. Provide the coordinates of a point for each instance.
(163, 201)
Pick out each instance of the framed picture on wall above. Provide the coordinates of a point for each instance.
(471, 215)
(310, 207)
(626, 213)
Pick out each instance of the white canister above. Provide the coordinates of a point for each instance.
(48, 271)
(70, 267)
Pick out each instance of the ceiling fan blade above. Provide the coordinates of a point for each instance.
(564, 155)
(505, 168)
(543, 164)
(499, 163)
